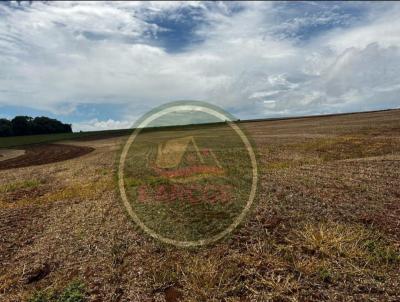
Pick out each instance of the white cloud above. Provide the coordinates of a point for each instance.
(381, 26)
(95, 124)
(57, 55)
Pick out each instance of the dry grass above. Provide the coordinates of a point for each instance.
(326, 227)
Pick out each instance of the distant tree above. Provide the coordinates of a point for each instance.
(26, 125)
(67, 128)
(5, 127)
(44, 125)
(22, 125)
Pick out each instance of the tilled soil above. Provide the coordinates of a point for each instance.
(44, 154)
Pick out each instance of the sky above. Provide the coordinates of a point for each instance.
(101, 65)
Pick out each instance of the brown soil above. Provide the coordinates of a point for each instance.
(44, 154)
(172, 295)
(22, 228)
(26, 193)
(6, 154)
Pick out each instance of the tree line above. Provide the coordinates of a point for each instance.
(26, 125)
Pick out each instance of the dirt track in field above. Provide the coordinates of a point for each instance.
(6, 154)
(44, 154)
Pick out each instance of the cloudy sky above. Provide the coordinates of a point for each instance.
(100, 65)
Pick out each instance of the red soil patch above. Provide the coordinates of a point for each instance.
(44, 154)
(172, 295)
(26, 193)
(387, 219)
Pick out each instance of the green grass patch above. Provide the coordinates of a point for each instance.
(26, 184)
(74, 292)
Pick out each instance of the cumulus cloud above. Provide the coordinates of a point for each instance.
(95, 125)
(253, 59)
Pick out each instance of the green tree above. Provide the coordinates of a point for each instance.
(5, 127)
(22, 125)
(25, 125)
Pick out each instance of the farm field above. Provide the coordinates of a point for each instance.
(8, 142)
(326, 226)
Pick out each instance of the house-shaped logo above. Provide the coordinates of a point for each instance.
(181, 160)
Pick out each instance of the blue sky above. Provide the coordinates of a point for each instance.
(101, 65)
